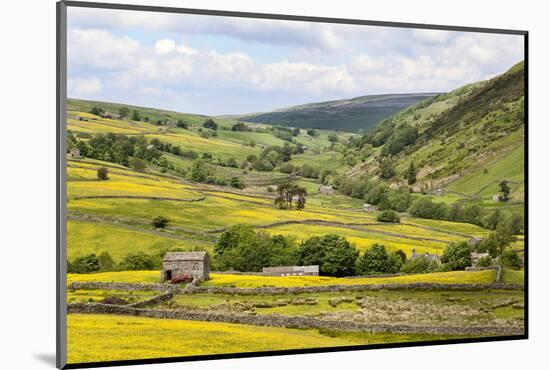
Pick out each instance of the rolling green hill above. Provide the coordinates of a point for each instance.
(363, 112)
(465, 142)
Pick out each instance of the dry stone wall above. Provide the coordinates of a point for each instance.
(297, 322)
(194, 288)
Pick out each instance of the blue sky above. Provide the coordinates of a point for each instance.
(224, 65)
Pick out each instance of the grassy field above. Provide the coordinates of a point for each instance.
(363, 239)
(91, 338)
(95, 237)
(118, 276)
(456, 308)
(482, 184)
(250, 281)
(253, 281)
(513, 277)
(97, 295)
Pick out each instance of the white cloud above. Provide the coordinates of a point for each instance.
(313, 78)
(187, 50)
(299, 60)
(275, 32)
(164, 46)
(84, 86)
(367, 63)
(432, 36)
(100, 48)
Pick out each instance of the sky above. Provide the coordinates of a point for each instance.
(225, 65)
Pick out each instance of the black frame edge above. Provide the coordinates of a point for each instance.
(287, 17)
(61, 235)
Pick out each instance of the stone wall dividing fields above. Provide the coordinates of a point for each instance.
(294, 322)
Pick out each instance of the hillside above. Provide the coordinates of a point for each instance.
(363, 112)
(466, 141)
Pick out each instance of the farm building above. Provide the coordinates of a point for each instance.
(326, 190)
(112, 116)
(474, 241)
(368, 207)
(179, 264)
(74, 153)
(497, 198)
(477, 256)
(439, 192)
(432, 257)
(312, 270)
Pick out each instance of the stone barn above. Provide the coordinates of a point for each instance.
(75, 153)
(179, 264)
(326, 190)
(369, 207)
(431, 257)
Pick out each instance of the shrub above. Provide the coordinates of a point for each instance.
(239, 126)
(103, 173)
(388, 216)
(182, 124)
(84, 264)
(237, 182)
(232, 162)
(243, 249)
(209, 123)
(511, 259)
(106, 262)
(311, 132)
(419, 265)
(137, 261)
(98, 111)
(457, 256)
(200, 171)
(484, 261)
(286, 168)
(137, 164)
(376, 260)
(160, 222)
(136, 116)
(333, 253)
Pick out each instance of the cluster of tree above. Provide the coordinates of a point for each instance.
(425, 207)
(98, 111)
(242, 248)
(334, 254)
(399, 139)
(287, 193)
(377, 260)
(207, 134)
(202, 171)
(270, 158)
(378, 194)
(283, 133)
(104, 262)
(115, 148)
(210, 124)
(388, 216)
(240, 126)
(305, 170)
(312, 132)
(182, 124)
